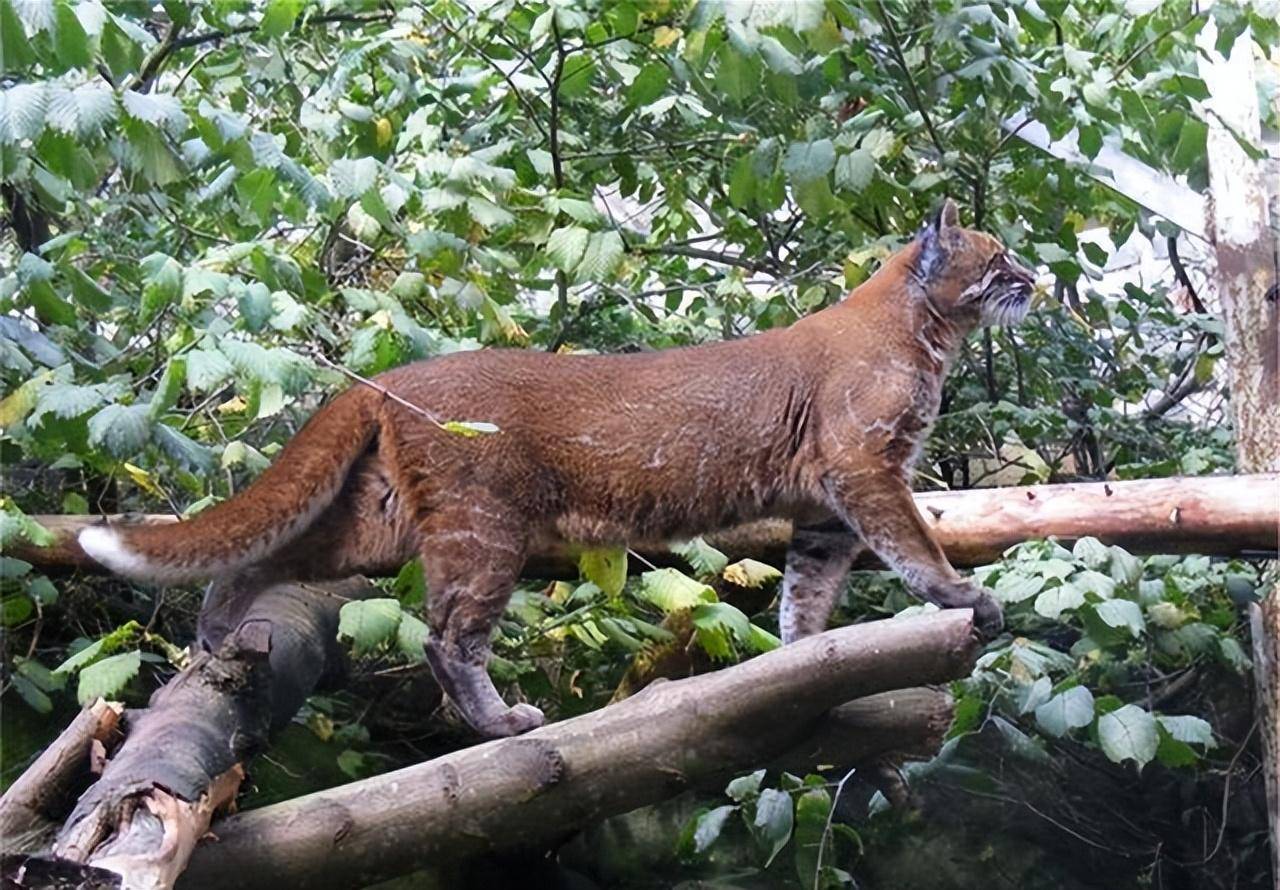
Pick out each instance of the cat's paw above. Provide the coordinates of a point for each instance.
(516, 720)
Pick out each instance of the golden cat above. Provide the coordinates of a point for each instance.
(819, 422)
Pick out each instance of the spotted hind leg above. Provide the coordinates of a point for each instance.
(472, 556)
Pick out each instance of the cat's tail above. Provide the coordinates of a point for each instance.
(274, 510)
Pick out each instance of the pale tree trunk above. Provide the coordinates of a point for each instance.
(1245, 247)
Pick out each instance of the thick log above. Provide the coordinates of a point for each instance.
(32, 802)
(1211, 515)
(183, 755)
(536, 789)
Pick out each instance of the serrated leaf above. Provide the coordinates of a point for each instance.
(566, 246)
(720, 628)
(600, 257)
(121, 430)
(673, 591)
(606, 567)
(1128, 733)
(106, 678)
(369, 623)
(855, 170)
(22, 112)
(807, 161)
(182, 450)
(15, 47)
(1014, 587)
(206, 369)
(64, 401)
(701, 556)
(1070, 709)
(161, 110)
(352, 177)
(163, 277)
(70, 43)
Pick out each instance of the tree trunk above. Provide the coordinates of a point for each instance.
(536, 789)
(182, 757)
(1247, 283)
(1214, 515)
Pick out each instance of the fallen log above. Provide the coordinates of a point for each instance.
(1211, 515)
(535, 790)
(31, 805)
(183, 755)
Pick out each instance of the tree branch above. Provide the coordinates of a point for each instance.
(534, 789)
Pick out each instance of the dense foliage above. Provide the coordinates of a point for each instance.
(216, 213)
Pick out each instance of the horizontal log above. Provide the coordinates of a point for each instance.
(536, 789)
(1211, 515)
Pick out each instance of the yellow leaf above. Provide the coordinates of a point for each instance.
(606, 567)
(143, 480)
(232, 406)
(751, 573)
(383, 130)
(664, 36)
(18, 404)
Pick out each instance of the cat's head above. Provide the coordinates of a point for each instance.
(970, 276)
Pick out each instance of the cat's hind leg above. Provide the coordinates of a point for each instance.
(818, 562)
(472, 554)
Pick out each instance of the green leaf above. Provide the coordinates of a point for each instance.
(1122, 613)
(606, 567)
(15, 47)
(207, 369)
(742, 182)
(813, 809)
(64, 401)
(182, 450)
(106, 678)
(566, 246)
(351, 178)
(720, 627)
(709, 825)
(649, 84)
(1188, 729)
(169, 388)
(87, 292)
(1128, 733)
(600, 257)
(1056, 600)
(1014, 587)
(1069, 709)
(1092, 552)
(411, 637)
(701, 556)
(163, 277)
(855, 170)
(122, 430)
(279, 17)
(774, 819)
(745, 787)
(369, 623)
(32, 695)
(22, 112)
(807, 161)
(16, 526)
(673, 591)
(71, 44)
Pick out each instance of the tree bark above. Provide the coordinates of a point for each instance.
(31, 806)
(1248, 284)
(1213, 515)
(536, 789)
(182, 757)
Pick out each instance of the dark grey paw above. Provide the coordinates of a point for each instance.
(987, 616)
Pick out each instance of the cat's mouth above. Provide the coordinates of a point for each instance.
(1005, 291)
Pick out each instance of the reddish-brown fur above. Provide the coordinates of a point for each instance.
(819, 422)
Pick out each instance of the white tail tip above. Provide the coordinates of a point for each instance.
(107, 547)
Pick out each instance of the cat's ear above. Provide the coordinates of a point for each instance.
(948, 215)
(933, 254)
